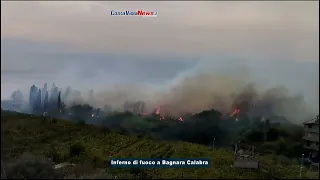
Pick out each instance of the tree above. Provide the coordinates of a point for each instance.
(46, 101)
(83, 112)
(107, 108)
(59, 100)
(44, 91)
(60, 105)
(17, 99)
(126, 106)
(136, 107)
(66, 94)
(32, 95)
(54, 94)
(91, 96)
(37, 104)
(17, 96)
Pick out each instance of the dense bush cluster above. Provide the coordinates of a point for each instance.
(29, 166)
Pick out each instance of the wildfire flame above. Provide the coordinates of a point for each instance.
(157, 111)
(235, 112)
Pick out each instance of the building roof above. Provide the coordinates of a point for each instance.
(312, 121)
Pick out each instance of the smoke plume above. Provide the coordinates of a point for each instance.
(202, 88)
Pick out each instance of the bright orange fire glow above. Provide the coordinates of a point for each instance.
(157, 111)
(235, 112)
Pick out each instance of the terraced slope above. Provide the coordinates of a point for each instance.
(42, 136)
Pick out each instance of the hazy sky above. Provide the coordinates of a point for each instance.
(284, 29)
(80, 44)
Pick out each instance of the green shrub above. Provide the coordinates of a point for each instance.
(97, 162)
(312, 175)
(54, 121)
(77, 149)
(81, 123)
(54, 154)
(31, 167)
(105, 130)
(44, 120)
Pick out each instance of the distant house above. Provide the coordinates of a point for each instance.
(311, 136)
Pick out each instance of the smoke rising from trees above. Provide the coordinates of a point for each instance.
(202, 97)
(198, 90)
(191, 91)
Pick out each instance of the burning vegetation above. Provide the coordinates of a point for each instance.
(193, 110)
(182, 100)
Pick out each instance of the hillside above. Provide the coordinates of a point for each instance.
(91, 146)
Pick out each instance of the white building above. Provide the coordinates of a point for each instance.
(311, 135)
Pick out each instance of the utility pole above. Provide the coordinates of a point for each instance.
(250, 116)
(301, 166)
(252, 151)
(213, 143)
(265, 127)
(236, 147)
(4, 172)
(253, 148)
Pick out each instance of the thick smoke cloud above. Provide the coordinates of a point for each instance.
(202, 88)
(209, 84)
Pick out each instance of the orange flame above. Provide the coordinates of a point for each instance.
(157, 111)
(235, 112)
